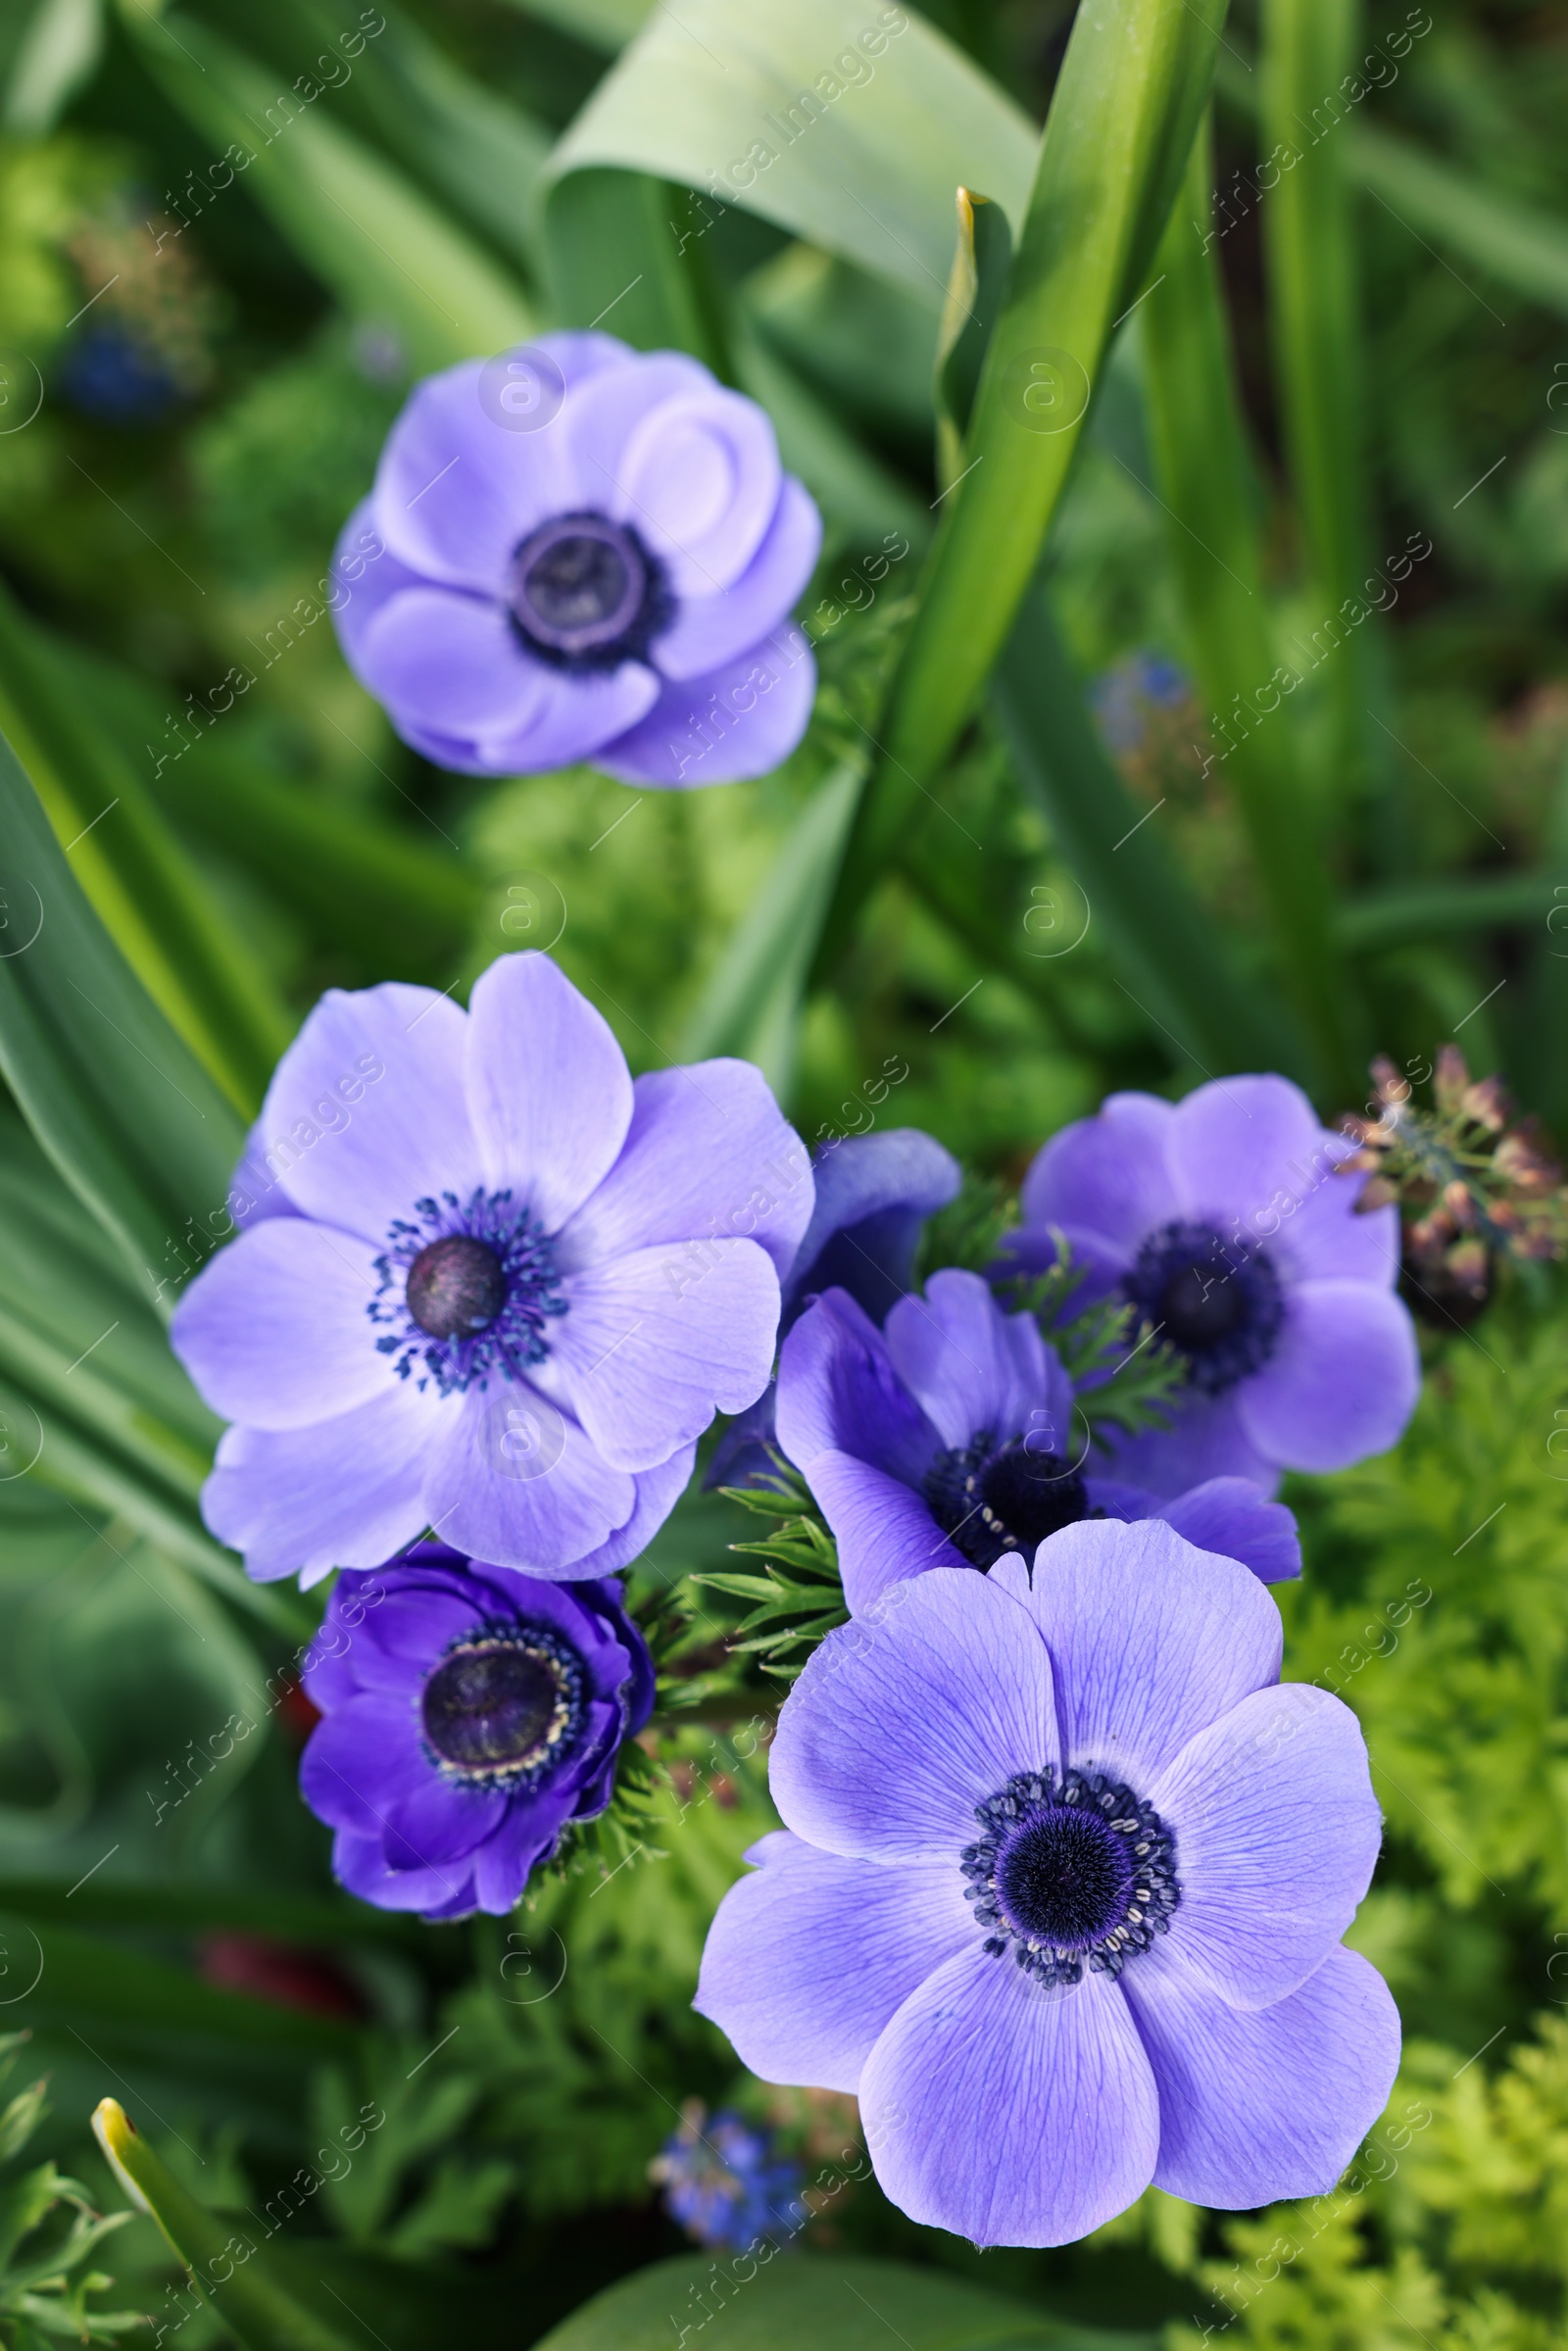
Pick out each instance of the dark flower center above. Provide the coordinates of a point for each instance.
(990, 1499)
(500, 1707)
(468, 1292)
(455, 1287)
(1071, 1870)
(1216, 1301)
(586, 593)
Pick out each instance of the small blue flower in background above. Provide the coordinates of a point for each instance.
(1060, 1892)
(1126, 695)
(1222, 1219)
(115, 375)
(484, 1282)
(873, 1195)
(725, 2183)
(592, 554)
(951, 1438)
(470, 1714)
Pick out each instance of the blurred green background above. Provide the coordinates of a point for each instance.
(197, 374)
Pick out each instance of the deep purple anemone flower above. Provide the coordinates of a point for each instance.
(469, 1715)
(873, 1195)
(1060, 1892)
(952, 1438)
(1222, 1219)
(513, 1293)
(591, 552)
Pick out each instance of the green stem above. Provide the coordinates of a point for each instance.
(1131, 91)
(1207, 487)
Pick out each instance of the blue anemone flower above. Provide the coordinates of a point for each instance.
(951, 1438)
(873, 1195)
(1223, 1218)
(1060, 1892)
(592, 553)
(485, 1284)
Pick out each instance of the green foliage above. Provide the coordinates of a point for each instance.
(800, 1594)
(48, 2231)
(1441, 1620)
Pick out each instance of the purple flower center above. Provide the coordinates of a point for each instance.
(467, 1291)
(586, 594)
(1216, 1301)
(1071, 1870)
(455, 1287)
(502, 1708)
(990, 1499)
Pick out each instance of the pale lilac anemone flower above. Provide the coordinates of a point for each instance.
(1223, 1220)
(507, 1293)
(602, 569)
(1060, 1894)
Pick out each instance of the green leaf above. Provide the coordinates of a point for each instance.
(1437, 909)
(474, 152)
(251, 2299)
(867, 164)
(1309, 48)
(832, 2304)
(1430, 196)
(860, 496)
(1184, 979)
(1517, 246)
(1207, 488)
(403, 901)
(976, 292)
(119, 1103)
(153, 904)
(623, 249)
(750, 1005)
(1126, 106)
(607, 25)
(354, 219)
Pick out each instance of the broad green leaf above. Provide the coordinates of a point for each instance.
(783, 2301)
(1127, 103)
(119, 1103)
(848, 123)
(474, 152)
(750, 1005)
(1183, 978)
(149, 898)
(353, 217)
(1206, 487)
(48, 60)
(402, 899)
(94, 1405)
(607, 25)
